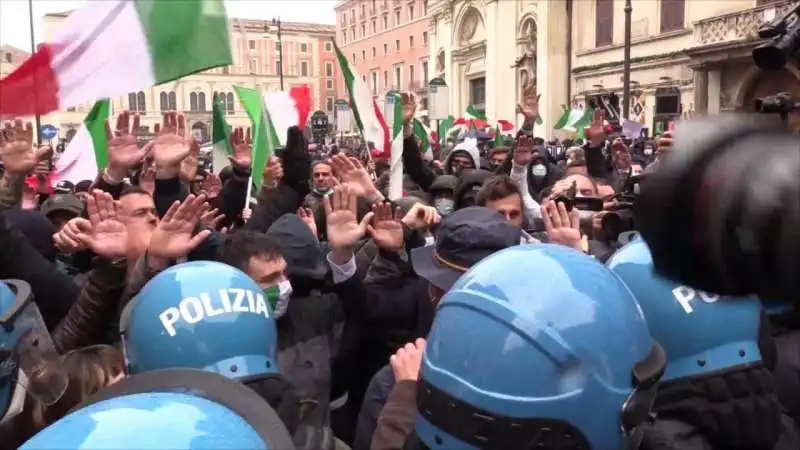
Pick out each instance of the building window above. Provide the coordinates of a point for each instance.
(374, 83)
(396, 18)
(424, 38)
(603, 22)
(424, 7)
(163, 101)
(226, 70)
(363, 31)
(385, 22)
(364, 78)
(411, 74)
(328, 69)
(277, 67)
(477, 93)
(344, 37)
(193, 102)
(410, 12)
(385, 77)
(363, 55)
(374, 53)
(672, 15)
(373, 27)
(277, 46)
(425, 72)
(329, 85)
(329, 104)
(173, 103)
(385, 49)
(251, 44)
(303, 48)
(229, 103)
(70, 109)
(141, 105)
(354, 58)
(328, 47)
(253, 65)
(9, 59)
(397, 45)
(201, 102)
(398, 75)
(303, 68)
(352, 34)
(411, 42)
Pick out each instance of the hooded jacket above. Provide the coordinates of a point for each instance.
(467, 147)
(469, 182)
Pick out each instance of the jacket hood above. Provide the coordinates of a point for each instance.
(300, 248)
(468, 147)
(469, 183)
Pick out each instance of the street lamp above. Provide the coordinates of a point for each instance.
(277, 22)
(626, 63)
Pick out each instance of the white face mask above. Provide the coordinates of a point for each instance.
(648, 151)
(539, 170)
(282, 303)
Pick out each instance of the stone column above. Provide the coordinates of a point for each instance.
(701, 90)
(551, 65)
(714, 90)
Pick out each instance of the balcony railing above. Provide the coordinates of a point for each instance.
(737, 26)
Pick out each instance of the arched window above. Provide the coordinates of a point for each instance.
(132, 101)
(173, 103)
(163, 101)
(229, 102)
(193, 101)
(201, 101)
(140, 103)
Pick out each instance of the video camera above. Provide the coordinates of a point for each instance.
(784, 35)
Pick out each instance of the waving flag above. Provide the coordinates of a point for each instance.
(262, 134)
(423, 133)
(287, 109)
(87, 153)
(220, 130)
(110, 48)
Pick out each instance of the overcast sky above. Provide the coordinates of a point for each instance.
(14, 24)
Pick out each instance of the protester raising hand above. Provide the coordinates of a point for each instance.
(66, 239)
(108, 236)
(211, 186)
(173, 237)
(596, 131)
(242, 146)
(307, 217)
(171, 145)
(386, 229)
(529, 103)
(666, 142)
(189, 164)
(19, 157)
(352, 173)
(273, 170)
(562, 226)
(344, 229)
(123, 150)
(409, 107)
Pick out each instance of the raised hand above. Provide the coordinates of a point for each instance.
(211, 186)
(529, 103)
(66, 239)
(108, 236)
(172, 238)
(421, 217)
(386, 229)
(147, 178)
(307, 217)
(123, 150)
(350, 172)
(171, 145)
(242, 146)
(596, 131)
(273, 170)
(409, 107)
(344, 230)
(189, 164)
(666, 142)
(562, 227)
(19, 157)
(407, 361)
(211, 219)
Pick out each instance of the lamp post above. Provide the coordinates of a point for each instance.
(33, 50)
(626, 63)
(277, 23)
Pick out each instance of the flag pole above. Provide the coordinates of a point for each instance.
(33, 50)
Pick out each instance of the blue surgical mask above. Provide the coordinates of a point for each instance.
(444, 206)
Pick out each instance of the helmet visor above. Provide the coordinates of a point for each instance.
(33, 354)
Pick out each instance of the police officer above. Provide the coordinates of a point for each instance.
(537, 346)
(717, 391)
(174, 408)
(208, 316)
(24, 344)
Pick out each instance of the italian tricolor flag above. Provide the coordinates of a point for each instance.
(87, 153)
(394, 115)
(110, 48)
(288, 109)
(365, 109)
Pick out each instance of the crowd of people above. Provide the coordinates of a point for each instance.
(492, 306)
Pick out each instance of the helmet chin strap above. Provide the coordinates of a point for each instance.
(17, 403)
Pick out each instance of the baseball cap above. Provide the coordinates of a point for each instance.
(63, 202)
(465, 237)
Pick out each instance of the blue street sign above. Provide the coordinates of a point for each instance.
(49, 131)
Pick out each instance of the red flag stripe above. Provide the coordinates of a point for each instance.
(32, 88)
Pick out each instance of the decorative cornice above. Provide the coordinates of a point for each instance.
(636, 60)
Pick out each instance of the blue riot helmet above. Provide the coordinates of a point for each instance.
(537, 345)
(699, 333)
(25, 345)
(177, 408)
(202, 315)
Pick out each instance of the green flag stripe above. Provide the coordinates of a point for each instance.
(95, 123)
(251, 101)
(220, 130)
(349, 79)
(185, 36)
